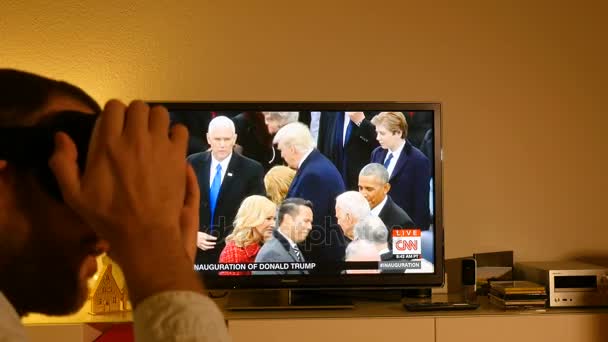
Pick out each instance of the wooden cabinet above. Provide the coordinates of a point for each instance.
(524, 328)
(373, 322)
(388, 321)
(333, 329)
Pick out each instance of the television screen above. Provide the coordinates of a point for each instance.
(316, 195)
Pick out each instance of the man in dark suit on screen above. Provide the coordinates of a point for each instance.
(374, 186)
(294, 220)
(409, 169)
(225, 179)
(318, 181)
(347, 139)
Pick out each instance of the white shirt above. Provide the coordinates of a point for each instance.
(179, 316)
(396, 153)
(11, 328)
(291, 243)
(304, 158)
(346, 122)
(377, 209)
(167, 316)
(214, 163)
(314, 125)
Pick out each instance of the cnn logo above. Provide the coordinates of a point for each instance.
(406, 241)
(410, 246)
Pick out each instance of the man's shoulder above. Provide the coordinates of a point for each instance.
(268, 250)
(396, 213)
(416, 155)
(318, 164)
(198, 156)
(247, 162)
(376, 152)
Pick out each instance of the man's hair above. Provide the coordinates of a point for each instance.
(375, 170)
(295, 134)
(221, 122)
(291, 207)
(22, 94)
(283, 118)
(393, 121)
(352, 202)
(372, 229)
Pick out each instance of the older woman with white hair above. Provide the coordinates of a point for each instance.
(351, 207)
(372, 229)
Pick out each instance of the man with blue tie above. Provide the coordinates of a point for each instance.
(225, 179)
(409, 169)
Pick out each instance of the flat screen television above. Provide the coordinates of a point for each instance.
(417, 250)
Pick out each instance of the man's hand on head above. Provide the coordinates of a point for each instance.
(137, 192)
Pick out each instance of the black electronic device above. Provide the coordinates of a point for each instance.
(469, 272)
(417, 261)
(440, 306)
(469, 278)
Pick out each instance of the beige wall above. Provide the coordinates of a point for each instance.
(522, 88)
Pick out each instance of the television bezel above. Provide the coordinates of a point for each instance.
(337, 281)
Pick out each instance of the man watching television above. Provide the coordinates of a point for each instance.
(144, 217)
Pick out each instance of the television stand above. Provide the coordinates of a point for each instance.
(285, 299)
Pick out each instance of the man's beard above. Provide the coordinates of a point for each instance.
(43, 279)
(40, 272)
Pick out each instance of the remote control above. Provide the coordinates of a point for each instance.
(435, 306)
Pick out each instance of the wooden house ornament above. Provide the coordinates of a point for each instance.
(126, 304)
(107, 296)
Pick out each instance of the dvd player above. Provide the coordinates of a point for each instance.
(568, 283)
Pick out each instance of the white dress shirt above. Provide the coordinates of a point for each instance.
(377, 209)
(314, 125)
(345, 127)
(291, 243)
(396, 153)
(214, 163)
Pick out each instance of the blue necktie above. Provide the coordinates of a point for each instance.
(349, 131)
(214, 191)
(388, 160)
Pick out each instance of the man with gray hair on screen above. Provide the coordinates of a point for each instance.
(351, 207)
(225, 179)
(374, 186)
(318, 181)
